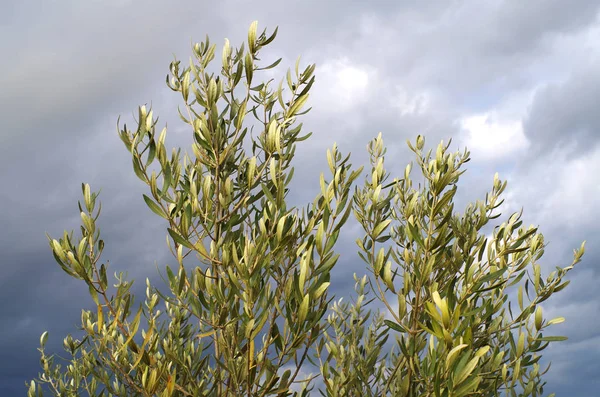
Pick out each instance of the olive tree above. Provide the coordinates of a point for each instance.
(445, 290)
(251, 317)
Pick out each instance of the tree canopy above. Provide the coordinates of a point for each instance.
(434, 314)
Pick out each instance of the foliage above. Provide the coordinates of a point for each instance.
(445, 287)
(250, 318)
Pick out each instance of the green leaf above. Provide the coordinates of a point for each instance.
(306, 88)
(43, 339)
(467, 387)
(466, 371)
(415, 234)
(303, 310)
(178, 239)
(252, 36)
(133, 329)
(520, 344)
(181, 280)
(538, 318)
(552, 338)
(271, 66)
(137, 168)
(297, 105)
(344, 218)
(387, 276)
(154, 207)
(517, 279)
(248, 65)
(381, 227)
(556, 320)
(491, 276)
(103, 279)
(151, 152)
(320, 290)
(395, 326)
(270, 38)
(452, 355)
(94, 294)
(327, 265)
(170, 276)
(331, 240)
(445, 199)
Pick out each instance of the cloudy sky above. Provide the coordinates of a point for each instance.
(517, 82)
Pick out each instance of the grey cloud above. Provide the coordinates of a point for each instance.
(566, 115)
(518, 27)
(471, 49)
(97, 59)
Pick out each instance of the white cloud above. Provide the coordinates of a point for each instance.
(410, 103)
(342, 85)
(491, 136)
